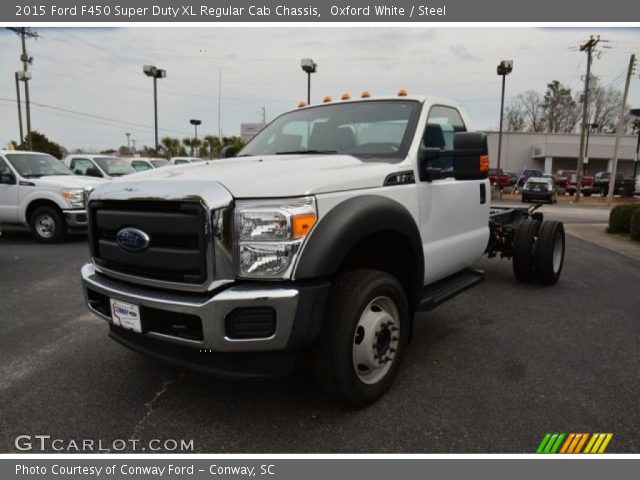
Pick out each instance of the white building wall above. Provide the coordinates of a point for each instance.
(518, 151)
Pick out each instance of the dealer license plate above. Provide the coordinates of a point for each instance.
(126, 315)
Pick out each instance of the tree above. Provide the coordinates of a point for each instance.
(533, 111)
(171, 147)
(213, 144)
(560, 109)
(187, 143)
(514, 116)
(235, 142)
(40, 143)
(604, 105)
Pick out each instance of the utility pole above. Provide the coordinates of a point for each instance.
(128, 134)
(219, 105)
(19, 108)
(264, 115)
(25, 32)
(588, 47)
(623, 111)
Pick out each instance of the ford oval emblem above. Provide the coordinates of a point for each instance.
(132, 239)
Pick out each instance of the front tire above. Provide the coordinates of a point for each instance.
(364, 335)
(48, 225)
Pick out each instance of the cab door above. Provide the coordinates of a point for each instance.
(8, 193)
(454, 214)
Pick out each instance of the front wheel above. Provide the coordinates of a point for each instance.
(364, 335)
(48, 225)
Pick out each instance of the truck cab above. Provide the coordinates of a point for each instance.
(325, 234)
(100, 166)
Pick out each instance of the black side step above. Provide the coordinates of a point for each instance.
(447, 288)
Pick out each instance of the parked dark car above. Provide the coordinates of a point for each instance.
(539, 189)
(527, 173)
(622, 186)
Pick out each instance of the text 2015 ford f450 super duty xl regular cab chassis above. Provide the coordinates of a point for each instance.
(323, 236)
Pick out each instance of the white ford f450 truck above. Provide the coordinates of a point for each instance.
(37, 190)
(323, 236)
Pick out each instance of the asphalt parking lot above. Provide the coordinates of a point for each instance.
(491, 371)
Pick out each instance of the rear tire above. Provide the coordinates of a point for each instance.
(364, 335)
(523, 243)
(548, 252)
(48, 225)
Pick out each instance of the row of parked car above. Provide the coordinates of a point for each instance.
(40, 191)
(102, 166)
(535, 185)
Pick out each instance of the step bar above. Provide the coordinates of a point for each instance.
(447, 288)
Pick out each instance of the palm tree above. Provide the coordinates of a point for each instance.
(171, 146)
(187, 142)
(213, 143)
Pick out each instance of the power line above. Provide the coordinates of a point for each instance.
(97, 117)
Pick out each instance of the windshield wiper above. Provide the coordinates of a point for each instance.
(311, 152)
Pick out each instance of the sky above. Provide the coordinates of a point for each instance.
(88, 87)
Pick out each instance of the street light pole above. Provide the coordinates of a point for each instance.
(308, 66)
(504, 68)
(155, 110)
(155, 73)
(195, 123)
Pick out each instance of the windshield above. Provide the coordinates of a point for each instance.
(381, 128)
(37, 165)
(114, 167)
(159, 163)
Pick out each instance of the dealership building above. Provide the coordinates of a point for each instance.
(559, 151)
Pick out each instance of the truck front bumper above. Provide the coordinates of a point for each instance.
(76, 219)
(237, 331)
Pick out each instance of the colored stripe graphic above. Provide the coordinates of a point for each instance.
(574, 443)
(598, 443)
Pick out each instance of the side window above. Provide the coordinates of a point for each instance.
(442, 124)
(79, 166)
(140, 166)
(4, 168)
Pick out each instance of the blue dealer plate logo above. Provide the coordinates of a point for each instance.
(132, 239)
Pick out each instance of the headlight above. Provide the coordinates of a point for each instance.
(74, 197)
(270, 235)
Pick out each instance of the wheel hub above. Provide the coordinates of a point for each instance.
(45, 225)
(376, 340)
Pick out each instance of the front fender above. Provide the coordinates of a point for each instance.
(348, 223)
(39, 195)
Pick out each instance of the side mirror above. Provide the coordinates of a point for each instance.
(7, 179)
(471, 160)
(228, 151)
(468, 160)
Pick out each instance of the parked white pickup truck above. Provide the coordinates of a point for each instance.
(324, 235)
(37, 190)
